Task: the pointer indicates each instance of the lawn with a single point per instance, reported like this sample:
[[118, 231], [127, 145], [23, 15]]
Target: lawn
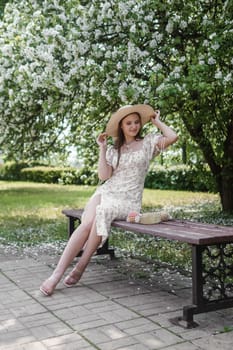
[[30, 214]]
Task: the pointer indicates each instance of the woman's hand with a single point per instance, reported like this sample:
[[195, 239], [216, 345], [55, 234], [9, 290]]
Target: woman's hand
[[156, 116], [102, 140]]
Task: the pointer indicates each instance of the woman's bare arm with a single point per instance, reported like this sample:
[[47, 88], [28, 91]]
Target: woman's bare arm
[[104, 169], [169, 135]]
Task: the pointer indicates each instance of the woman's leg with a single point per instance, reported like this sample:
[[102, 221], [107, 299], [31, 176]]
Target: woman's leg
[[90, 248], [73, 247]]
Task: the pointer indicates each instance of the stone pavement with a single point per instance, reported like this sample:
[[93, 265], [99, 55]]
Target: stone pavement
[[107, 310]]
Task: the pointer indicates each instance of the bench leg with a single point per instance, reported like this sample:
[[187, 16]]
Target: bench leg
[[104, 250], [71, 225], [212, 281]]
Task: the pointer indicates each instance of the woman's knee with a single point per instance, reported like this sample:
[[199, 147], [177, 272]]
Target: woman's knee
[[86, 225]]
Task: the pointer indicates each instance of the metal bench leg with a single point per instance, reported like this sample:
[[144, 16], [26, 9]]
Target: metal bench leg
[[212, 277], [104, 250], [186, 320], [71, 225]]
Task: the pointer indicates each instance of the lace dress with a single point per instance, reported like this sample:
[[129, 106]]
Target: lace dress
[[122, 192]]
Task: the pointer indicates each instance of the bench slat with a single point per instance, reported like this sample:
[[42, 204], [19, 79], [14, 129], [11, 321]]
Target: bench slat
[[183, 231], [175, 233]]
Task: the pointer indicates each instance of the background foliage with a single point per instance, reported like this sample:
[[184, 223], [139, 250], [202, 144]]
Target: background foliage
[[66, 65], [179, 177]]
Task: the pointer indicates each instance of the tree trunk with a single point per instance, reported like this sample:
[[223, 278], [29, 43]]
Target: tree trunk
[[184, 152], [226, 190], [226, 185]]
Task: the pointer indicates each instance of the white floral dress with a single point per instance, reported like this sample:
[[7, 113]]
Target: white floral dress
[[122, 192]]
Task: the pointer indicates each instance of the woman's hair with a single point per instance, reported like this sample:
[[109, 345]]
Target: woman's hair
[[120, 140]]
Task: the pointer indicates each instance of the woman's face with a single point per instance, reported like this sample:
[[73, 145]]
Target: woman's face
[[131, 125]]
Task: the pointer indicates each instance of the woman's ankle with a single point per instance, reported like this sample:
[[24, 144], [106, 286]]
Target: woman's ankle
[[56, 277]]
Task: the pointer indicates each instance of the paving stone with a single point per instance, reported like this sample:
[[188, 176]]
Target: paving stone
[[222, 341], [63, 340], [116, 290], [118, 344], [134, 347], [29, 346], [102, 306], [48, 331], [195, 333], [137, 326], [150, 304], [73, 346], [158, 338], [105, 311], [183, 346], [19, 337], [29, 307], [118, 315], [10, 325], [36, 320], [136, 322], [87, 323], [163, 319]]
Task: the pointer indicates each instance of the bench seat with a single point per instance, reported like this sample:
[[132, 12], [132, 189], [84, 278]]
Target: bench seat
[[212, 259]]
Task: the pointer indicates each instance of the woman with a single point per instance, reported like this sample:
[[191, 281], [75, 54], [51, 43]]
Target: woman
[[123, 167]]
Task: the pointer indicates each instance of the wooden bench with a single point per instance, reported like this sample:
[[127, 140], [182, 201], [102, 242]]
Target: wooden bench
[[212, 259]]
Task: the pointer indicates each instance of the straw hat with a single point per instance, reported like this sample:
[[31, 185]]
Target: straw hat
[[145, 111]]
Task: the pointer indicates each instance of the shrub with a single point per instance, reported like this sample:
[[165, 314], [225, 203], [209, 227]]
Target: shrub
[[84, 176], [45, 174], [62, 175], [12, 170], [180, 177]]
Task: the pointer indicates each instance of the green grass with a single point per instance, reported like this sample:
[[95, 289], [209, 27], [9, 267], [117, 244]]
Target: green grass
[[30, 214]]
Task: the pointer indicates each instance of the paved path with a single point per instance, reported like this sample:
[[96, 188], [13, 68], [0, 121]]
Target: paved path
[[108, 310]]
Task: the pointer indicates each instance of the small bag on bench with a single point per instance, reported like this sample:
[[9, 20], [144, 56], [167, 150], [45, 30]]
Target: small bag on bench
[[148, 218]]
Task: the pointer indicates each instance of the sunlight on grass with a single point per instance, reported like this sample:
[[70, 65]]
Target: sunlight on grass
[[30, 214], [40, 199], [167, 199]]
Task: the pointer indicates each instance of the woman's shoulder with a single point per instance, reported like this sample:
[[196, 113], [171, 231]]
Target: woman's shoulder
[[151, 137]]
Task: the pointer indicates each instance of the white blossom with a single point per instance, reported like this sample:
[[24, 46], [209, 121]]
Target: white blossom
[[97, 34], [228, 78], [215, 46], [133, 28], [218, 75], [211, 61], [50, 32], [6, 50], [205, 43], [183, 24], [160, 87], [158, 37], [153, 44], [157, 67], [169, 26], [212, 36]]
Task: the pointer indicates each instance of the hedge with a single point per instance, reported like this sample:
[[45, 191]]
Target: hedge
[[178, 177], [181, 177], [62, 175]]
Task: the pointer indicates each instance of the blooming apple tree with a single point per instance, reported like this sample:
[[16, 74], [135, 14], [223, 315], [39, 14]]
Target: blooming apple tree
[[65, 65]]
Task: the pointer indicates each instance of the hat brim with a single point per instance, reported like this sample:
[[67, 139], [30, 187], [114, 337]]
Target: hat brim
[[145, 111]]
